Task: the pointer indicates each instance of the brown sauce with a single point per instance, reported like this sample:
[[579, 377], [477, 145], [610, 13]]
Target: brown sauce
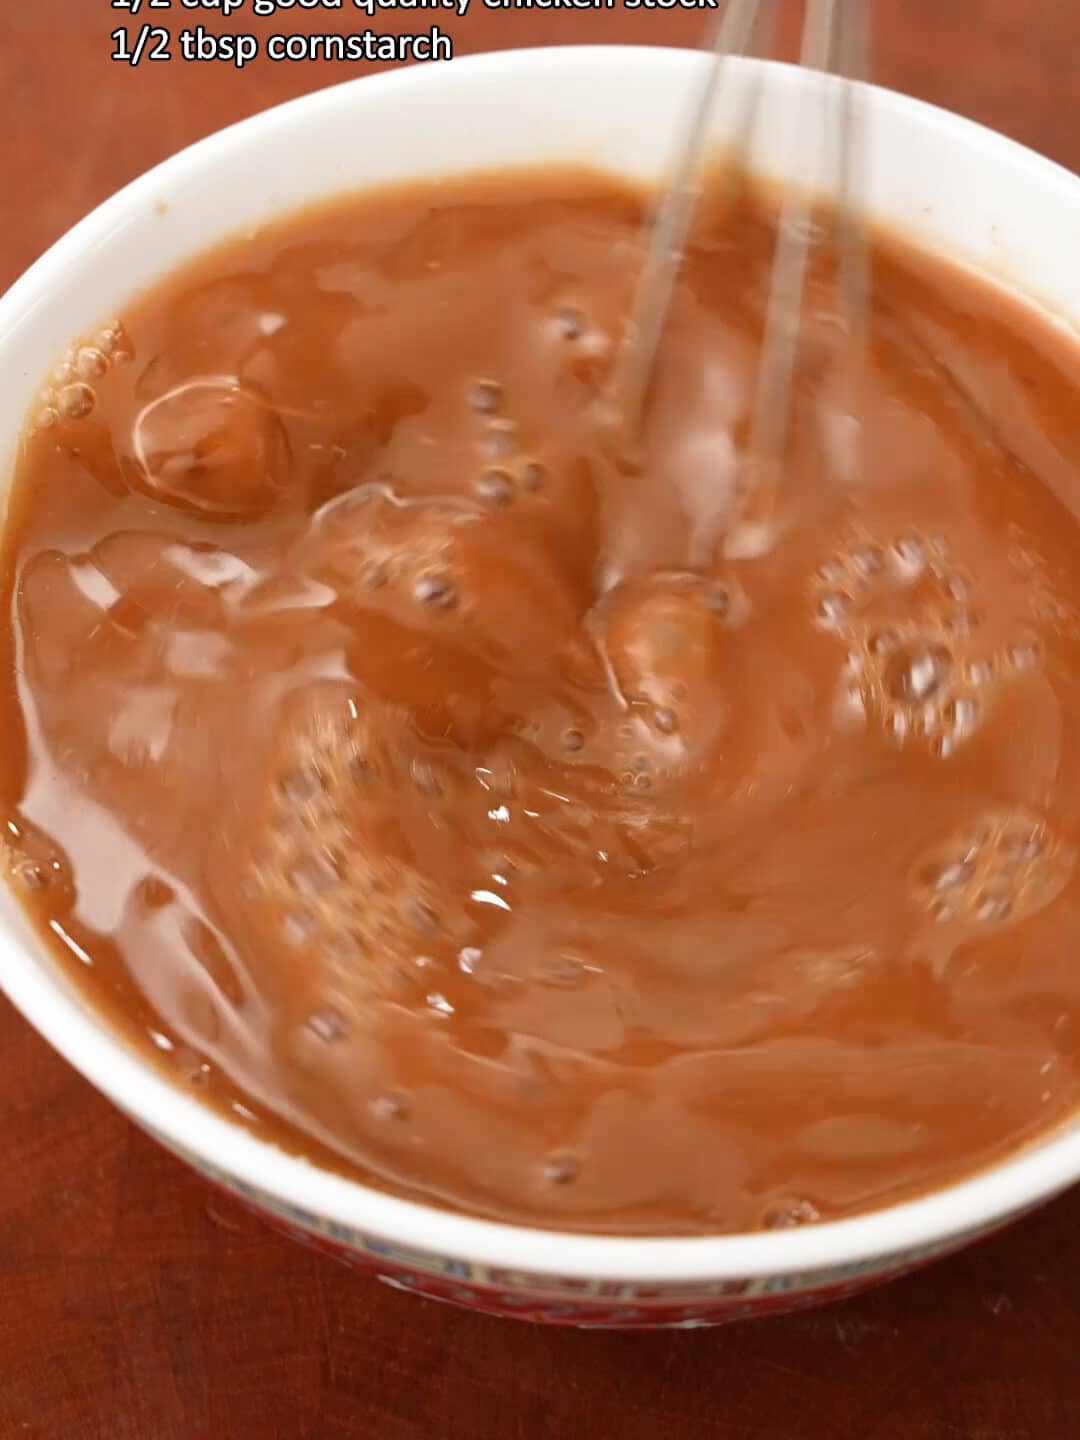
[[433, 793]]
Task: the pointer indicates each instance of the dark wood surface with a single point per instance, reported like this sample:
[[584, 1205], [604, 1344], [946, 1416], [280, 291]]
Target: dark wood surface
[[136, 1306]]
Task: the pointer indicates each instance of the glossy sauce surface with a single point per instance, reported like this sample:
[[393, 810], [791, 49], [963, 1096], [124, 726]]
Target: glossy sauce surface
[[417, 779]]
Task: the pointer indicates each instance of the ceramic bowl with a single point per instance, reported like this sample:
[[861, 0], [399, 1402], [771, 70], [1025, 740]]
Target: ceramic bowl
[[950, 185]]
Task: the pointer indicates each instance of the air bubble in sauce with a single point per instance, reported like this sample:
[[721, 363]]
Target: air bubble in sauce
[[212, 447]]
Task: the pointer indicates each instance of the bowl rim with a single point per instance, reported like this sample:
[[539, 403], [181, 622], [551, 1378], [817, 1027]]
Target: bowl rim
[[936, 1221]]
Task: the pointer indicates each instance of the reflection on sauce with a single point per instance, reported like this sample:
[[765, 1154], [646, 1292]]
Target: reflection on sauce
[[409, 777]]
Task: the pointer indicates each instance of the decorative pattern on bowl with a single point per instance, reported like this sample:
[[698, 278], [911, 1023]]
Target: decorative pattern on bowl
[[564, 1300]]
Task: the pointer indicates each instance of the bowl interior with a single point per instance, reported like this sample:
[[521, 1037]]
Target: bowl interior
[[949, 185]]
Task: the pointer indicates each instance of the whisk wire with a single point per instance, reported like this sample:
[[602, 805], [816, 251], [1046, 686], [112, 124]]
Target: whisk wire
[[835, 41], [742, 29], [789, 265], [852, 63]]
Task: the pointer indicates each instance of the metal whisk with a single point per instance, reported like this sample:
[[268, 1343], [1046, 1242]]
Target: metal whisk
[[835, 40]]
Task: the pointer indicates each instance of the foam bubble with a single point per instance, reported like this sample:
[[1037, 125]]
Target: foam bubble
[[392, 1106], [788, 1213], [496, 486], [915, 657], [570, 322], [336, 895], [469, 959], [91, 362], [34, 862], [485, 396], [979, 672], [951, 875], [899, 724], [436, 590], [909, 556], [868, 560], [30, 874], [562, 1168], [327, 1024], [299, 926], [958, 588], [917, 673], [211, 446], [717, 599], [121, 349], [833, 607], [1002, 869], [962, 716], [315, 875], [301, 785], [994, 906], [76, 401]]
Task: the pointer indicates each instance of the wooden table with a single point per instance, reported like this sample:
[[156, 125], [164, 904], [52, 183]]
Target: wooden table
[[133, 1305]]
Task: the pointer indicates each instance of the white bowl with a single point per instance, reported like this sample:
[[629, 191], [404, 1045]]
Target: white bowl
[[951, 185]]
